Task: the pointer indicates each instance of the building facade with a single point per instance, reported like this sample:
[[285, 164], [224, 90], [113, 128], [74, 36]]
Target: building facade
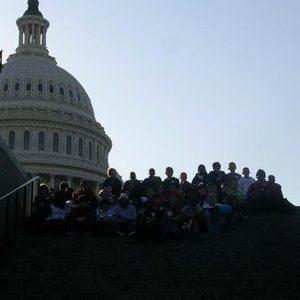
[[46, 116]]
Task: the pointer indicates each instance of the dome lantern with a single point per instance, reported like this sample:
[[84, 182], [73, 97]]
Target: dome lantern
[[32, 31], [33, 8]]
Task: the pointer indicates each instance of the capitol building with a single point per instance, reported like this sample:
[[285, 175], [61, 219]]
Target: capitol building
[[46, 117]]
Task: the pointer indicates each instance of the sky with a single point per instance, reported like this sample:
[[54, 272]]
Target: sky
[[183, 82]]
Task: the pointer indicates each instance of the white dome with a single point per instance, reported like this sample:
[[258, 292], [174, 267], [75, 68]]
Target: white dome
[[50, 84], [46, 116]]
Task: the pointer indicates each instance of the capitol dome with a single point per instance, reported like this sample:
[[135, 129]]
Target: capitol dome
[[46, 116]]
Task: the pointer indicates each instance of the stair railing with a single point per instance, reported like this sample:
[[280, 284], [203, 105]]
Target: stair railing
[[15, 207]]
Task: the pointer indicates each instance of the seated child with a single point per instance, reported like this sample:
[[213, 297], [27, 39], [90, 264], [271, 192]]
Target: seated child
[[80, 219], [104, 216], [124, 216]]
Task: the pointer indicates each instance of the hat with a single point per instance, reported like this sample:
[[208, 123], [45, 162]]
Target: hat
[[124, 196]]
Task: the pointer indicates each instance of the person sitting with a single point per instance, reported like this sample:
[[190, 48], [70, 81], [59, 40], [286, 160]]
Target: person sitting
[[214, 213], [79, 222], [58, 214], [104, 218], [124, 217], [152, 181], [282, 205], [170, 180], [232, 176], [114, 182], [200, 177], [40, 209], [245, 181], [85, 190], [134, 187], [260, 195], [216, 176]]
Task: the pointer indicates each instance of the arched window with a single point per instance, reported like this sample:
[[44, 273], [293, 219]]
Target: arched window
[[71, 93], [98, 154], [5, 88], [61, 90], [26, 140], [90, 151], [80, 147], [51, 89], [17, 86], [28, 86], [11, 140], [40, 87], [41, 144], [55, 145], [69, 144]]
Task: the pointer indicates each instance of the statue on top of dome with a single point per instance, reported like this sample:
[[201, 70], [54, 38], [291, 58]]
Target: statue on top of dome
[[33, 8]]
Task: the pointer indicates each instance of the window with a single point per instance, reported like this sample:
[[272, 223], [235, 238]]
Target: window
[[28, 87], [61, 90], [69, 144], [51, 89], [17, 86], [90, 151], [78, 97], [11, 140], [40, 87], [5, 88], [41, 144], [26, 140], [71, 94], [55, 142], [80, 147], [98, 154]]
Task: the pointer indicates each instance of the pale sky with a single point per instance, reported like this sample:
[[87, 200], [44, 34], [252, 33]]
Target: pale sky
[[183, 82]]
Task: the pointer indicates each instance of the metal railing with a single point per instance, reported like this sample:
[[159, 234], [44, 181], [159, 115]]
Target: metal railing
[[15, 207]]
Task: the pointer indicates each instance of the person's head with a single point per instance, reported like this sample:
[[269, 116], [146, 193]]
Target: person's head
[[63, 186], [105, 192], [216, 166], [104, 204], [81, 199], [124, 200], [111, 172], [201, 169], [149, 193], [232, 167], [183, 176], [246, 172], [51, 192], [201, 189], [260, 175], [169, 172], [226, 188], [84, 184], [69, 192], [43, 189], [151, 172], [132, 176], [271, 178]]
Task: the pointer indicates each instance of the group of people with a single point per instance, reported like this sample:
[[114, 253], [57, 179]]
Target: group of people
[[159, 209]]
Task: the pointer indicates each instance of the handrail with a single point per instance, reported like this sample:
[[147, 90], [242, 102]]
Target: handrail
[[15, 208], [20, 187]]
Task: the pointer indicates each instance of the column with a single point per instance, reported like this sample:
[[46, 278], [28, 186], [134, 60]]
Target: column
[[38, 35], [20, 36], [44, 36], [52, 181], [69, 180], [27, 40]]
